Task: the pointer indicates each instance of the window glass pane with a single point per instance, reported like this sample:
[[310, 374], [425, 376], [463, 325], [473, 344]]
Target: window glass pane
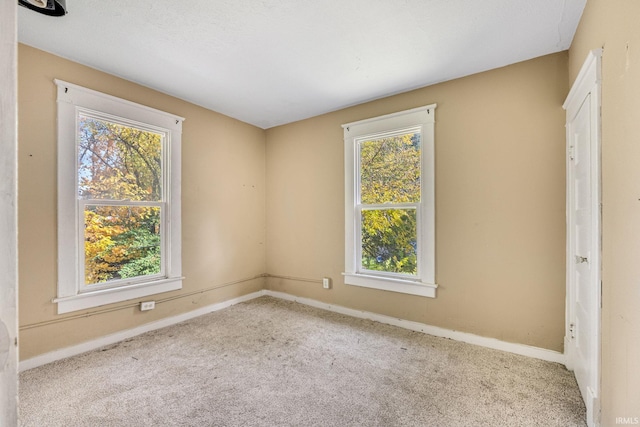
[[389, 240], [121, 242], [390, 169], [118, 162]]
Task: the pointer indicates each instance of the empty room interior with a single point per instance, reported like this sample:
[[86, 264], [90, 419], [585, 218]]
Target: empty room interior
[[406, 175]]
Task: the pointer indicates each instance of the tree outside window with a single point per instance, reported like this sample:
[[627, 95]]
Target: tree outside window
[[390, 202], [119, 174]]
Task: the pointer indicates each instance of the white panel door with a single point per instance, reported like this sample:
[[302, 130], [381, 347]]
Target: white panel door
[[582, 343], [582, 325]]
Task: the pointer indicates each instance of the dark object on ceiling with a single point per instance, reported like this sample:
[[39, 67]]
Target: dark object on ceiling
[[47, 7]]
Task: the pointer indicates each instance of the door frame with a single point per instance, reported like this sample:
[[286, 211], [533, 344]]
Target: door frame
[[8, 213], [588, 83]]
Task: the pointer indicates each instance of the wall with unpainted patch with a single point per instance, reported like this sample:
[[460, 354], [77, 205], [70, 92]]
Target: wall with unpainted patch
[[223, 208]]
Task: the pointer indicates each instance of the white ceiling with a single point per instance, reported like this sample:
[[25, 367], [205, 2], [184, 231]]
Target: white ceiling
[[271, 62]]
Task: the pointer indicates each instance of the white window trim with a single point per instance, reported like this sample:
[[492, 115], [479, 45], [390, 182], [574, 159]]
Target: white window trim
[[71, 296], [423, 285]]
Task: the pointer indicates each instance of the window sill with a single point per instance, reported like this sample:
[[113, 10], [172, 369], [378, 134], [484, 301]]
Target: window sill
[[109, 296], [391, 284]]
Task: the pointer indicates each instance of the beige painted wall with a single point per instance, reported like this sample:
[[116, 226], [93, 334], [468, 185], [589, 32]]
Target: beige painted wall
[[223, 205], [614, 25], [499, 196], [500, 205]]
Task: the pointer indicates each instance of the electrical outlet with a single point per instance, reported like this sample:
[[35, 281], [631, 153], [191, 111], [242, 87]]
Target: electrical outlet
[[326, 283], [147, 305]]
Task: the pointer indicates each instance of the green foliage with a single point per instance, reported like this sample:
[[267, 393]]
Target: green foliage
[[117, 162], [143, 248], [390, 174]]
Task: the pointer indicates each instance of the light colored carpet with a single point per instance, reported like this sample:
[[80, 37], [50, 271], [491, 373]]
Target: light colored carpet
[[269, 362]]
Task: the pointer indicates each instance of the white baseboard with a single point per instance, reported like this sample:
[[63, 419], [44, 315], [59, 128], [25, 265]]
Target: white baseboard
[[521, 349], [63, 353]]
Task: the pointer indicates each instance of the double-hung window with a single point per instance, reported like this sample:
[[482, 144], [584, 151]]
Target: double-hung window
[[118, 199], [389, 202]]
